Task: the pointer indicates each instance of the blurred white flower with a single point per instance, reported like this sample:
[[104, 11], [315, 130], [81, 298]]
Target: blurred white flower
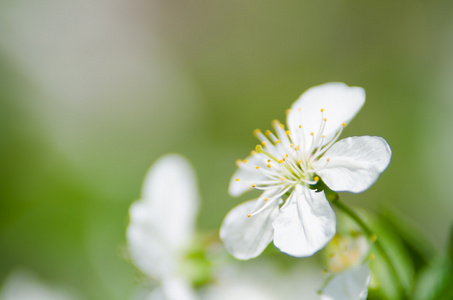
[[351, 284], [162, 225], [23, 285], [344, 252], [264, 280], [289, 162]]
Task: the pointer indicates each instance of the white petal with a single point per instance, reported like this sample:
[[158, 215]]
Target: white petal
[[162, 223], [351, 284], [247, 175], [176, 288], [340, 103], [246, 237], [306, 224], [354, 163]]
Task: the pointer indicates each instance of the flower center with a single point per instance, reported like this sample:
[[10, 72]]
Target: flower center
[[283, 163]]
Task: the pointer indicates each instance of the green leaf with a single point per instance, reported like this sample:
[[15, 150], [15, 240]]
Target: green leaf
[[434, 281], [421, 251]]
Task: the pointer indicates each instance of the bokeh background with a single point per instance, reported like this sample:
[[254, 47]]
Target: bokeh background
[[92, 92]]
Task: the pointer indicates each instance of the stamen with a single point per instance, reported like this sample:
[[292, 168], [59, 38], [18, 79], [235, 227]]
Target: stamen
[[237, 179], [257, 167], [238, 162], [344, 124], [316, 178], [269, 165], [253, 185], [258, 148], [326, 147], [256, 132], [322, 109], [246, 161], [268, 132], [249, 215], [272, 199]]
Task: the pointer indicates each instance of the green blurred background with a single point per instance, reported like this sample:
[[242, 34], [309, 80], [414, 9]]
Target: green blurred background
[[92, 92]]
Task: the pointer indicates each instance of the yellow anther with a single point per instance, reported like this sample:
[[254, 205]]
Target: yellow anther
[[323, 136], [238, 161], [253, 152], [291, 145], [316, 178], [268, 160], [283, 179], [256, 132], [265, 199], [372, 257], [249, 215], [277, 141], [322, 109], [258, 148], [312, 133], [299, 161], [269, 165], [246, 161], [257, 167], [253, 185], [296, 148], [299, 109], [268, 132], [325, 119], [237, 179], [284, 159], [344, 124], [280, 161], [282, 126], [263, 143], [300, 126], [286, 155], [373, 237], [287, 132]]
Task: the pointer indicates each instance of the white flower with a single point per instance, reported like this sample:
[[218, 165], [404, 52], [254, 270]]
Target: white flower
[[351, 284], [290, 162], [162, 225], [265, 280]]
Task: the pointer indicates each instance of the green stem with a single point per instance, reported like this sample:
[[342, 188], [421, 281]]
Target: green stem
[[367, 230]]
